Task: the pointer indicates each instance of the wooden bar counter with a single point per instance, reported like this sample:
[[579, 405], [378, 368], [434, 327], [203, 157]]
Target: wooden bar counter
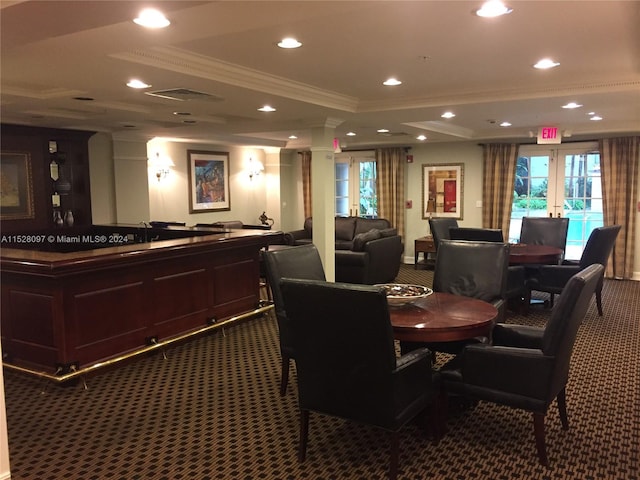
[[62, 312]]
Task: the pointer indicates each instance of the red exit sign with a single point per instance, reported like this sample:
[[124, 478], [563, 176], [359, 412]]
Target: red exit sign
[[549, 135]]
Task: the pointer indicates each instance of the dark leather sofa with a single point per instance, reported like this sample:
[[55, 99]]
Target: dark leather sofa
[[368, 251]]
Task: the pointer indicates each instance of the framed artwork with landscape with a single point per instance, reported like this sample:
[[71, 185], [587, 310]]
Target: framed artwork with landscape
[[442, 190], [16, 186], [208, 181]]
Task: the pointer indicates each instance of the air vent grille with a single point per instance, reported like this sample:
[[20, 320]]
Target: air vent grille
[[184, 94]]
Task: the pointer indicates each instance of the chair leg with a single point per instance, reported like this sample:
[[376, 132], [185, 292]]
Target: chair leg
[[562, 409], [394, 454], [304, 435], [599, 300], [538, 430], [284, 376]]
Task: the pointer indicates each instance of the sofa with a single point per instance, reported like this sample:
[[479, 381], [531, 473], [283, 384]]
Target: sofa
[[368, 251]]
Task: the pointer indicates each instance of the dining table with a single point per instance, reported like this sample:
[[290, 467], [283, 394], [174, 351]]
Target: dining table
[[528, 254], [442, 317]]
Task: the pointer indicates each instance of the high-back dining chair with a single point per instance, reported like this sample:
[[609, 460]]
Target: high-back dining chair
[[527, 367], [476, 234], [553, 278], [294, 262], [346, 361], [550, 231]]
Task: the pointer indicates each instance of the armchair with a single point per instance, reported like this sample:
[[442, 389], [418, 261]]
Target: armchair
[[553, 278], [440, 229], [471, 269], [527, 367], [294, 262], [346, 361]]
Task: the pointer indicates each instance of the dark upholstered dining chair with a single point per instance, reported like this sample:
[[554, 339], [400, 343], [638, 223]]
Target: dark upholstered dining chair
[[545, 231], [440, 229], [553, 278], [346, 361], [471, 269], [527, 367], [476, 234], [294, 262]]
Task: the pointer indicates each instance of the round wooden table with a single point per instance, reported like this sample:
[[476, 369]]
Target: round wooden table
[[442, 317], [522, 254]]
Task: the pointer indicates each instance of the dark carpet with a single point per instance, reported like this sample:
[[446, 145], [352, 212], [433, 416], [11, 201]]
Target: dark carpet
[[211, 409]]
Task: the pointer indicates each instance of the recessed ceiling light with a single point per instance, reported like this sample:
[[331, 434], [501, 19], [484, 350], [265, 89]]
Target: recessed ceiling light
[[505, 124], [152, 18], [422, 138], [545, 64], [135, 83], [448, 115], [292, 137], [571, 105], [267, 108], [351, 134], [493, 8], [392, 82], [596, 118], [383, 130], [289, 43]]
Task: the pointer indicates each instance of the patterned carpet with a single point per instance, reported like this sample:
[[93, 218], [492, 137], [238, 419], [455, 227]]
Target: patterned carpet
[[211, 410]]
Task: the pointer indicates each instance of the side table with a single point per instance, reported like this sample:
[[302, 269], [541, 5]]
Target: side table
[[427, 247]]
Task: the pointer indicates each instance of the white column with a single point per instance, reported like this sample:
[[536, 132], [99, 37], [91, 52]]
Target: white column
[[131, 181]]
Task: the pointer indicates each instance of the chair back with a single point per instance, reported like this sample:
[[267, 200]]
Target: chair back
[[562, 327], [440, 229], [295, 262], [472, 269], [599, 246], [545, 231], [476, 234], [345, 354]]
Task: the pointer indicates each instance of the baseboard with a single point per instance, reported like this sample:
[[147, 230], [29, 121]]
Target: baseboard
[[636, 276], [5, 475]]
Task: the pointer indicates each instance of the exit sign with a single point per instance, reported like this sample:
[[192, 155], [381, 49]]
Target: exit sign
[[548, 135]]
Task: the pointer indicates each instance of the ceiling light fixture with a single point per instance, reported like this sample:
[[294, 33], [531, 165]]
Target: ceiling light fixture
[[351, 134], [448, 115], [493, 8], [289, 43], [571, 105], [135, 83], [292, 137], [152, 18], [392, 82], [505, 124], [596, 118], [267, 108], [383, 130], [422, 138], [545, 64]]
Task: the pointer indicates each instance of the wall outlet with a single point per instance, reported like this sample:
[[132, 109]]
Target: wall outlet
[[478, 203]]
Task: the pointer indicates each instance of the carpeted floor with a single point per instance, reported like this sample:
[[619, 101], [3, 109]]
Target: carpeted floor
[[211, 410]]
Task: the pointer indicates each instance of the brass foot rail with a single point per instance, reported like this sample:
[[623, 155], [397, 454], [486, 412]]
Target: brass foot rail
[[149, 348]]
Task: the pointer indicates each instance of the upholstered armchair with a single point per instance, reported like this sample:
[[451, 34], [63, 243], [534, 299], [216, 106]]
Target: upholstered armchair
[[471, 269], [346, 361], [294, 262], [440, 229], [527, 367], [545, 231], [553, 278]]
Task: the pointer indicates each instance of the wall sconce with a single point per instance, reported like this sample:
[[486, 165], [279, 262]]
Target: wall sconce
[[161, 165], [255, 168]]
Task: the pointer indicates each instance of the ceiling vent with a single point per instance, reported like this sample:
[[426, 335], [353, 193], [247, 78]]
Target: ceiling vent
[[393, 134], [184, 94]]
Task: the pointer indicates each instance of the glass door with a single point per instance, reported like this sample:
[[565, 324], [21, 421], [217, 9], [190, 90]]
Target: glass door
[[356, 193], [559, 182]]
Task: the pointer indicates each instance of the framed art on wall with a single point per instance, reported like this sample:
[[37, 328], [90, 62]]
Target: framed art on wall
[[16, 186], [208, 181], [442, 187]]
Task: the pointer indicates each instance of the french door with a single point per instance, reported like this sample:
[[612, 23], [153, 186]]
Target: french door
[[356, 193], [563, 181]]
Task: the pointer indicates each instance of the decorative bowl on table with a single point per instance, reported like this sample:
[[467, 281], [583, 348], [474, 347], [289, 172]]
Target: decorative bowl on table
[[401, 293]]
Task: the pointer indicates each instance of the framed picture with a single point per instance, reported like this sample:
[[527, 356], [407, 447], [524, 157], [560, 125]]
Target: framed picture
[[442, 190], [208, 181], [16, 186]]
